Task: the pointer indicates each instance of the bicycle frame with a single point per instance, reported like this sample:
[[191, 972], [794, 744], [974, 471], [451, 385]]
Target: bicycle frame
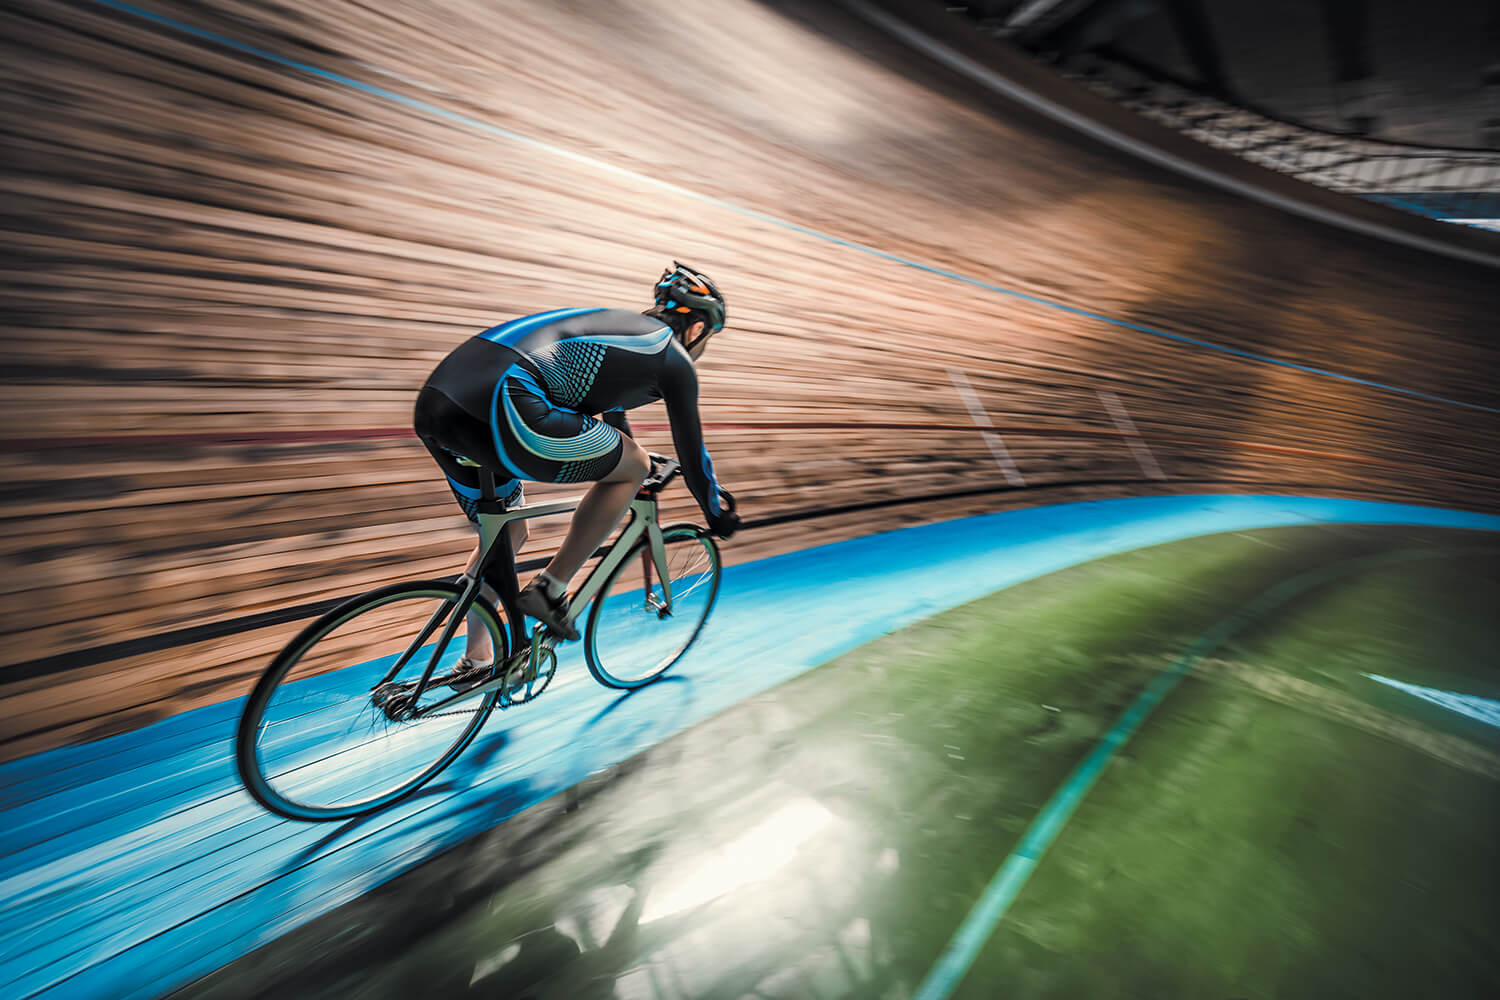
[[495, 543]]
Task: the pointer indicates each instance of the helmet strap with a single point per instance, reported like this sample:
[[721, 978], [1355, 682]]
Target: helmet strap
[[702, 338]]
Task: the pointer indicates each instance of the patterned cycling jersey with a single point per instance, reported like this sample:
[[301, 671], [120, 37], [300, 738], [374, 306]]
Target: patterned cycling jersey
[[590, 361]]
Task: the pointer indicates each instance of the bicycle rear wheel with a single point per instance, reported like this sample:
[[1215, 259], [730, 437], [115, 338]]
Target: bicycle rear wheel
[[633, 637], [323, 735]]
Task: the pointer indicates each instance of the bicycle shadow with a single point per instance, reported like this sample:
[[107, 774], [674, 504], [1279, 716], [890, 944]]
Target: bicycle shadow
[[481, 753], [637, 719], [626, 732], [484, 750], [625, 696]]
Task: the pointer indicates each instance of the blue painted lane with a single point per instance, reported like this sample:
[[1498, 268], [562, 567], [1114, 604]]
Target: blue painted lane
[[137, 863]]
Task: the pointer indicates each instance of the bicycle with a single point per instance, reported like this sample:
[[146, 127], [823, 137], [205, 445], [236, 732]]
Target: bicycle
[[347, 716]]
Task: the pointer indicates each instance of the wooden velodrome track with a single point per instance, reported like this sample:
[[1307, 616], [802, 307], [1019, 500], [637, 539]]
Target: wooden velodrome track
[[229, 275]]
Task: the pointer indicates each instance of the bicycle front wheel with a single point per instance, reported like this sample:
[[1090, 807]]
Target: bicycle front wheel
[[635, 634], [328, 731]]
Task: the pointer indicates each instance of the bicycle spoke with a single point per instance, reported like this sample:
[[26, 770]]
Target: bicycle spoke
[[634, 633], [331, 734]]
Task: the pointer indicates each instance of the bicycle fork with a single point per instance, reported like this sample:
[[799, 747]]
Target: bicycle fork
[[657, 557]]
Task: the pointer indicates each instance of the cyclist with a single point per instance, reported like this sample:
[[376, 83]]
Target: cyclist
[[542, 398]]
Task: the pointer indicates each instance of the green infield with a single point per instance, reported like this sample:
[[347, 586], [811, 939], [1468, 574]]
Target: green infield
[[1304, 806], [1284, 825]]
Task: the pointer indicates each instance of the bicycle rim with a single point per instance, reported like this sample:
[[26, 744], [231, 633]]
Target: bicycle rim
[[632, 637], [317, 740]]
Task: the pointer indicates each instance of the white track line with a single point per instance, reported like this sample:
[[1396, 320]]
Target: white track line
[[997, 446], [1127, 430]]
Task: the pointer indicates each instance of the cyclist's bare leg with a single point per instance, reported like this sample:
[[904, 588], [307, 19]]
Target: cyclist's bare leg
[[478, 646], [601, 509]]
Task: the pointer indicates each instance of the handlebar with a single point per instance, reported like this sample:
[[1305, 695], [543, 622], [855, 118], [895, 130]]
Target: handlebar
[[663, 471]]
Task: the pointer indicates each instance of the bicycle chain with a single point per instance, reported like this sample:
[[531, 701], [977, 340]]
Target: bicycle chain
[[547, 645], [442, 715], [459, 711], [471, 711]]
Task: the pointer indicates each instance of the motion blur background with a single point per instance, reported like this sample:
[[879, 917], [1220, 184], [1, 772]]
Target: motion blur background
[[240, 234], [230, 274]]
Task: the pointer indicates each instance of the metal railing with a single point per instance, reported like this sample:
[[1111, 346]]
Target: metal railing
[[1452, 184]]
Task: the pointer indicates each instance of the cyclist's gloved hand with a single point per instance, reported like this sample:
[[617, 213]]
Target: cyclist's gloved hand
[[724, 524]]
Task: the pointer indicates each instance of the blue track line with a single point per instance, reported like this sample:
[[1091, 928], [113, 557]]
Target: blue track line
[[453, 116]]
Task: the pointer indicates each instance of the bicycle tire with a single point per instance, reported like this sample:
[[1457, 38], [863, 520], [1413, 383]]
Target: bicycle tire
[[302, 736], [631, 624]]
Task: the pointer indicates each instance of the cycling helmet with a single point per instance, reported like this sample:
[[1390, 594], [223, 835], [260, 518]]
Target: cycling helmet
[[684, 290]]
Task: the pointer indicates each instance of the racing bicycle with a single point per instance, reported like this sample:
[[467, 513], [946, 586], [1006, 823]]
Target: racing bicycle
[[370, 701]]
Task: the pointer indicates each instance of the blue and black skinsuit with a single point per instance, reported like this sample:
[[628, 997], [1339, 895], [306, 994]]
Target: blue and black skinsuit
[[524, 399]]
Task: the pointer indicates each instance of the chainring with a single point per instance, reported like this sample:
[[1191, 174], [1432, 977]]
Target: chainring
[[522, 685]]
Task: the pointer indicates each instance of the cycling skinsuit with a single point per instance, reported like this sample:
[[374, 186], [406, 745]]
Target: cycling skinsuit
[[523, 400]]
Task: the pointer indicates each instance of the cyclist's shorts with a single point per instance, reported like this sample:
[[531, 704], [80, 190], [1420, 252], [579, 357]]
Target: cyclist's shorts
[[509, 427], [546, 443], [455, 439]]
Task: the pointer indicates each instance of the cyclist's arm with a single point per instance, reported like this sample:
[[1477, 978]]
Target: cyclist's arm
[[616, 419], [679, 390]]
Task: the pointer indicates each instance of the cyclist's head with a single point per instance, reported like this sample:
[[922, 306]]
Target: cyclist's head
[[690, 303]]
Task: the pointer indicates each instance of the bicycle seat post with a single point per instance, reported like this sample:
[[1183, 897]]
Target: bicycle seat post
[[488, 529], [495, 543]]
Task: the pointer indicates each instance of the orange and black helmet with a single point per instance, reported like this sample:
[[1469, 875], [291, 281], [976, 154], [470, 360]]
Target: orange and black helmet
[[684, 290]]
